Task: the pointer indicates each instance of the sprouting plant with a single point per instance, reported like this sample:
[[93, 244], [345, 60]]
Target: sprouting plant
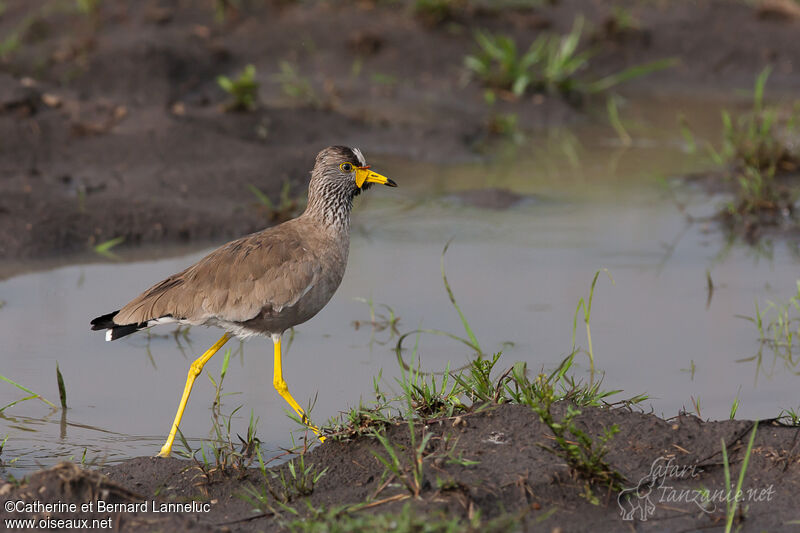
[[502, 124], [687, 134], [2, 447], [476, 381], [572, 443], [287, 206], [386, 80], [301, 478], [613, 117], [429, 397], [756, 147], [735, 405], [88, 7], [622, 19], [732, 502], [778, 325], [550, 64], [288, 483], [696, 404], [243, 90], [13, 39], [586, 307], [411, 477], [296, 86], [435, 12], [224, 9], [9, 45], [758, 139], [362, 420], [358, 421], [449, 452], [790, 417], [500, 65], [105, 247]]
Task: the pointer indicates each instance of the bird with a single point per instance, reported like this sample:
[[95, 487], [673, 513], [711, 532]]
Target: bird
[[263, 283]]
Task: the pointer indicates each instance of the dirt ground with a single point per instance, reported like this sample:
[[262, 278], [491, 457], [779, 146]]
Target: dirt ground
[[110, 122], [512, 484]]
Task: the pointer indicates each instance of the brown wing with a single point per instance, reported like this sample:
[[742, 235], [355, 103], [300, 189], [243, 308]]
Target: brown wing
[[233, 283]]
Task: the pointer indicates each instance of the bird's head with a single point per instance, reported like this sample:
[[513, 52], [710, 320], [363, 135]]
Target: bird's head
[[340, 174], [348, 170]]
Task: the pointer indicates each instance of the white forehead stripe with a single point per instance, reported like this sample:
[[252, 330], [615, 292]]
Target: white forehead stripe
[[361, 161]]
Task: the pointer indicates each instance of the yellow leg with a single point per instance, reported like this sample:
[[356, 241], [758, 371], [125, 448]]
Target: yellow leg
[[194, 371], [283, 389]]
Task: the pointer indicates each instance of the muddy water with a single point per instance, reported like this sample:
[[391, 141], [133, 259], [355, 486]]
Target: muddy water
[[580, 200]]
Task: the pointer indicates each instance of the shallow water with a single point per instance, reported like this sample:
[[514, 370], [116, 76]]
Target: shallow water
[[587, 202]]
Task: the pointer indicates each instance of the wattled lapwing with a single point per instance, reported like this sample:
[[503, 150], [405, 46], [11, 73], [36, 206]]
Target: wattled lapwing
[[264, 283]]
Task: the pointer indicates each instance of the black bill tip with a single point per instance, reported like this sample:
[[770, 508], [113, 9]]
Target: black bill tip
[[390, 183]]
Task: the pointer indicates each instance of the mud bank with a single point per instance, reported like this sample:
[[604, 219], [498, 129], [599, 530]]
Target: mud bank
[[488, 468]]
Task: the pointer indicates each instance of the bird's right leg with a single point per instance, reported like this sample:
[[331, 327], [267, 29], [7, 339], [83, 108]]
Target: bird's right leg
[[283, 389], [194, 371]]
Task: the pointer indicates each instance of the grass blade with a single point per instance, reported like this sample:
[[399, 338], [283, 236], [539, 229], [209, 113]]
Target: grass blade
[[452, 297], [262, 197], [62, 390], [616, 122], [15, 402], [731, 511], [26, 389], [635, 71], [758, 96], [225, 363], [104, 248]]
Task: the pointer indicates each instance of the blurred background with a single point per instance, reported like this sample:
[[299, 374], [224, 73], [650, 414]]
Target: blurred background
[[545, 140]]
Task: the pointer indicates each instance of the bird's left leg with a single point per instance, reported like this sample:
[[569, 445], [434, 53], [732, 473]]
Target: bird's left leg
[[194, 371], [283, 389]]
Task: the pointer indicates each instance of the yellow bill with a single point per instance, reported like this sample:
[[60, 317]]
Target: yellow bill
[[365, 175]]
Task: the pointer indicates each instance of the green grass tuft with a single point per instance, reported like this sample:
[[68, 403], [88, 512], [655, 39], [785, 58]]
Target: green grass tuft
[[296, 86], [243, 90], [757, 146], [550, 65]]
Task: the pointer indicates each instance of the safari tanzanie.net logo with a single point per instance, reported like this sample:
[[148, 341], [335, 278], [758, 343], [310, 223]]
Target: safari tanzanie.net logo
[[659, 487]]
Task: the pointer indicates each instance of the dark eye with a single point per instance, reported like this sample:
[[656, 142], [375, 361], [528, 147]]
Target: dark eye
[[347, 167]]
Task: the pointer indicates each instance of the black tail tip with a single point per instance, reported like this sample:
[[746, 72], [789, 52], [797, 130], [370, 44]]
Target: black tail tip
[[104, 322], [113, 330], [116, 332]]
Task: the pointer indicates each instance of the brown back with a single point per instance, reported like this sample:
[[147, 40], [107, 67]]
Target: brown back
[[273, 268]]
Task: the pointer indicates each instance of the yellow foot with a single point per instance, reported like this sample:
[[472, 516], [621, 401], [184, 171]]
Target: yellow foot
[[283, 389], [165, 451], [317, 432]]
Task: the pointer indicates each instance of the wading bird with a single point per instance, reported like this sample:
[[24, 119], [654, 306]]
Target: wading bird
[[264, 283]]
